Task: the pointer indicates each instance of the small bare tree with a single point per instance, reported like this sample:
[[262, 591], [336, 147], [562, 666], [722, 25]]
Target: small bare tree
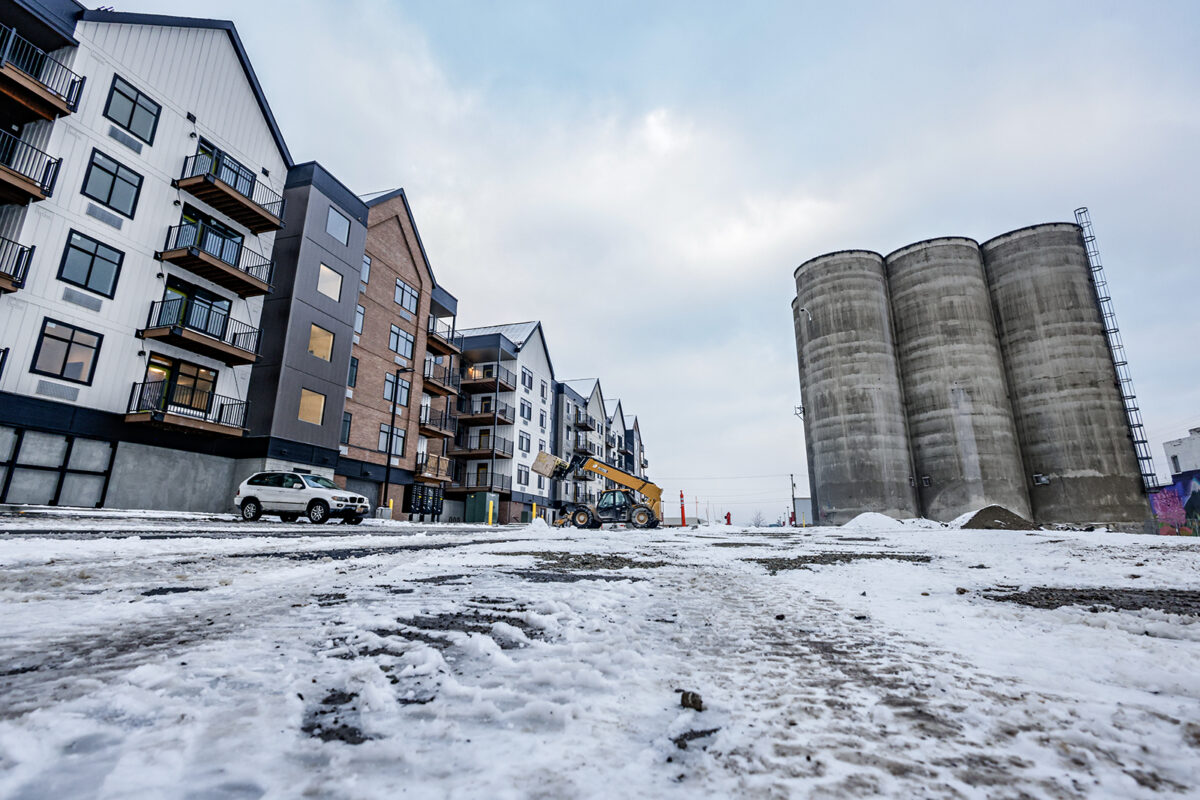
[[758, 520]]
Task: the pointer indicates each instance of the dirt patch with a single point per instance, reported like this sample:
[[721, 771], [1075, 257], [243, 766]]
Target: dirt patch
[[172, 590], [346, 553], [804, 562], [998, 518], [332, 719], [547, 576], [681, 741], [582, 561], [740, 544], [1171, 601]]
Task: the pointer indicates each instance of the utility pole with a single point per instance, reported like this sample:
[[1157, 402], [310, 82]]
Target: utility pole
[[387, 475], [792, 513]]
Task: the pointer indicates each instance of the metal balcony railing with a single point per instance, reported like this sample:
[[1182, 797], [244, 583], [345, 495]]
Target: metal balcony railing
[[439, 420], [444, 374], [14, 261], [475, 406], [206, 320], [159, 397], [490, 372], [433, 465], [584, 446], [445, 332], [229, 250], [236, 176], [39, 65], [584, 420], [488, 481], [482, 441], [28, 161]]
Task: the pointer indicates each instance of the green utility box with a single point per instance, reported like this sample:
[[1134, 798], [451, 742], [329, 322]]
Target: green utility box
[[477, 507]]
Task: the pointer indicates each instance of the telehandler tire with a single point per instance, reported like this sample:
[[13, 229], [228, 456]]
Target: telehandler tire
[[641, 517], [581, 518]]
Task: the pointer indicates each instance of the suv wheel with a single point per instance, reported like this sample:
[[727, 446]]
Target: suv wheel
[[251, 510], [318, 512]]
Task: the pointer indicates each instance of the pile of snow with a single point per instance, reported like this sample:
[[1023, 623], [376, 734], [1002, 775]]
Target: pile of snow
[[871, 521]]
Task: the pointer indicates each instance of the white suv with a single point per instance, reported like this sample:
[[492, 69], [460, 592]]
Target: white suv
[[291, 494]]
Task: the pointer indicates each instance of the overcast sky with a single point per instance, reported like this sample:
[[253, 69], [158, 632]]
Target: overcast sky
[[644, 177]]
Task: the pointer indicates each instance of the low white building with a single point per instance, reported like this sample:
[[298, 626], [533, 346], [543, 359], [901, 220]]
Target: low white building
[[1183, 455]]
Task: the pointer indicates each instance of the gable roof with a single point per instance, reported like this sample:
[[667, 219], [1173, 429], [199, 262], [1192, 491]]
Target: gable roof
[[440, 295], [167, 21], [519, 333]]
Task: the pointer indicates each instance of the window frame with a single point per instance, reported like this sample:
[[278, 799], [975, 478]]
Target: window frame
[[321, 265], [404, 292], [87, 175], [526, 405], [398, 434], [526, 372], [397, 333], [352, 373], [37, 352], [300, 406], [312, 327], [62, 264], [330, 215], [344, 434], [524, 442], [390, 379], [364, 272], [139, 95], [360, 317], [522, 471]]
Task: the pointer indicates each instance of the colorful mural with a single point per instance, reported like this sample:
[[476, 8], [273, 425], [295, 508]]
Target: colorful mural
[[1176, 506]]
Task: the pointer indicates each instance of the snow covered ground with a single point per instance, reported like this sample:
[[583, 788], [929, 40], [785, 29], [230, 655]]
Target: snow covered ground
[[203, 658]]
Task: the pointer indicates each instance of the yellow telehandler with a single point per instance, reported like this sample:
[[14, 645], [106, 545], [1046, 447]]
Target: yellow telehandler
[[614, 505]]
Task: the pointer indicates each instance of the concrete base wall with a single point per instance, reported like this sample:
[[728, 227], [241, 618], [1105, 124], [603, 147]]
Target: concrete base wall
[[160, 478]]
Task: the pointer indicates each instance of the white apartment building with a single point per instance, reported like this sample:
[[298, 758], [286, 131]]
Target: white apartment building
[[505, 418], [141, 197]]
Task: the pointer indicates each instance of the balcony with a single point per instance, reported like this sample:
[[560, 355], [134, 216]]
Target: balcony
[[587, 448], [625, 448], [437, 423], [432, 467], [489, 378], [580, 495], [26, 173], [34, 84], [584, 421], [440, 379], [202, 329], [225, 261], [14, 265], [474, 481], [442, 339], [182, 407], [610, 440], [481, 445], [481, 410], [645, 463], [584, 475], [226, 185]]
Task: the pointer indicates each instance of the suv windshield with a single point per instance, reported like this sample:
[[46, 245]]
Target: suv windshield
[[317, 482]]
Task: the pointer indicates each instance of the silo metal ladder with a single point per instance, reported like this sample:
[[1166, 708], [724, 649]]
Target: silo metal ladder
[[1116, 348]]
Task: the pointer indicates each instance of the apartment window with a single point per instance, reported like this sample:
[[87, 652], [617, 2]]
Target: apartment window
[[90, 264], [320, 342], [401, 342], [329, 283], [312, 407], [542, 419], [541, 482], [526, 378], [545, 392], [64, 351], [397, 440], [337, 225], [360, 314], [523, 476], [541, 445], [526, 410], [112, 184], [1175, 470], [132, 110], [389, 390], [352, 376], [346, 418], [524, 442], [406, 296]]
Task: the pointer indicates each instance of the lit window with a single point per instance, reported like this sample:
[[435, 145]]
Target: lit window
[[337, 225], [312, 407], [320, 342], [329, 283]]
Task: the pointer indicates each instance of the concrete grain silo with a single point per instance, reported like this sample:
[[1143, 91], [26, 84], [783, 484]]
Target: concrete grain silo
[[1079, 460], [854, 421], [960, 422]]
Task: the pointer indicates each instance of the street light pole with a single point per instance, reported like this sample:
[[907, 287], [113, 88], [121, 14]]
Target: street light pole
[[387, 475]]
